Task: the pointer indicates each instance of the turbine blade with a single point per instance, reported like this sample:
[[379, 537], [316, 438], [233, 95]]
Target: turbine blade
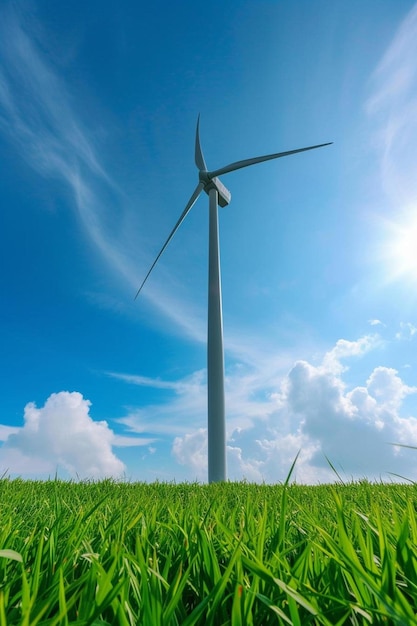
[[183, 215], [246, 162], [199, 157]]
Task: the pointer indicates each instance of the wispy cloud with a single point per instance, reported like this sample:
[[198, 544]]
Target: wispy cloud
[[250, 387], [185, 408], [145, 381], [407, 331], [376, 322], [39, 116], [392, 106]]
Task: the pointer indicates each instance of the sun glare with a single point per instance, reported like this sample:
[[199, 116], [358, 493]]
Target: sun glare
[[401, 249]]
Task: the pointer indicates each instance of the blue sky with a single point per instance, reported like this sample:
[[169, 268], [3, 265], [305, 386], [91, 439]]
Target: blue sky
[[98, 107]]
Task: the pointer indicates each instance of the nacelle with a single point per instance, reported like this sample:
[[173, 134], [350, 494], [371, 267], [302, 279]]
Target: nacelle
[[224, 194]]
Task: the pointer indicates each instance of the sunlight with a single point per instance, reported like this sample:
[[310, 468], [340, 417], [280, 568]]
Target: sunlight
[[401, 249]]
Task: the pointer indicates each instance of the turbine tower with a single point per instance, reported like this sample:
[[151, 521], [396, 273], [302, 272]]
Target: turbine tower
[[218, 196]]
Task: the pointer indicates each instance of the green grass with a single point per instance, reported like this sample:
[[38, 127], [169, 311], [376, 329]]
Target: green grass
[[235, 553]]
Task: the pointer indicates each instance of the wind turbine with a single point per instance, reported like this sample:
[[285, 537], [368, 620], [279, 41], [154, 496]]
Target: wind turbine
[[218, 196]]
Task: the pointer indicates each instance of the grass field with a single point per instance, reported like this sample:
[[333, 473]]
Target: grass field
[[235, 553]]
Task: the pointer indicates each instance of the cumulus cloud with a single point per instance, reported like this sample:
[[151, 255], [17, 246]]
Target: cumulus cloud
[[61, 435], [345, 349], [191, 450], [352, 428], [315, 412]]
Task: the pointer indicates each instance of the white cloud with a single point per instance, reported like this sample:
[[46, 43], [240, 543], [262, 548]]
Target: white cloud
[[312, 410], [351, 428], [145, 381], [120, 441], [376, 322], [345, 349], [191, 450], [407, 331], [61, 435], [175, 415], [387, 388], [6, 431]]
